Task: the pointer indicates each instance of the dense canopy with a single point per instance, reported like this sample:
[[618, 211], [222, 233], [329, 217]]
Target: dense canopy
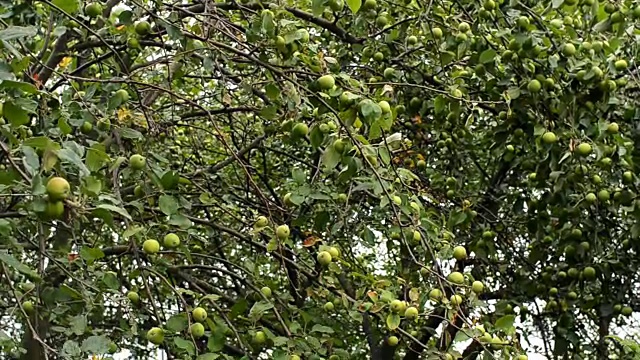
[[324, 179]]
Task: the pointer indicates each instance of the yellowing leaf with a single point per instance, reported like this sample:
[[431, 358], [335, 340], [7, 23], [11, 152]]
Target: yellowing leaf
[[123, 114], [65, 62]]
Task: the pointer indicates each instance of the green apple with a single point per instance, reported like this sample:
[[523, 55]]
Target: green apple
[[283, 232], [435, 294], [171, 241], [155, 336], [324, 258], [196, 330], [133, 297], [397, 306], [300, 130], [456, 278], [549, 138], [328, 306], [137, 162], [260, 337], [534, 86], [411, 312], [58, 189], [151, 246], [54, 210], [392, 340], [584, 149], [86, 127], [123, 95], [334, 251], [459, 253], [93, 9], [261, 222], [266, 291], [477, 287], [142, 28], [199, 314], [28, 307], [385, 107], [456, 300], [326, 82]]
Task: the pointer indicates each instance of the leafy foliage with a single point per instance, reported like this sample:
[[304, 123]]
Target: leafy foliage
[[221, 180]]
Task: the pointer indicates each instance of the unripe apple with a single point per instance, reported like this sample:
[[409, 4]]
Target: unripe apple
[[324, 258], [326, 82], [435, 294], [477, 287], [283, 232], [260, 337], [137, 162], [196, 330], [456, 278], [266, 291], [58, 189], [459, 253], [397, 306], [151, 246], [411, 312], [133, 297], [199, 314], [335, 253], [261, 222], [393, 340], [171, 241], [328, 306], [155, 336], [456, 300], [28, 307], [123, 95]]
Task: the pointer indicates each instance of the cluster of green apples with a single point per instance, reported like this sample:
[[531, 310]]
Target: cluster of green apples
[[58, 190], [152, 246]]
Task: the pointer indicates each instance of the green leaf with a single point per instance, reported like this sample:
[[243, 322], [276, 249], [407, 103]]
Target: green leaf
[[30, 160], [505, 323], [96, 345], [71, 349], [72, 157], [90, 254], [11, 261], [132, 230], [16, 115], [370, 111], [68, 6], [268, 25], [128, 133], [168, 204], [487, 56], [40, 142], [23, 86], [208, 356], [177, 323], [96, 157], [78, 324], [115, 209], [92, 186], [322, 329], [111, 280], [330, 158], [17, 32], [185, 345], [170, 180], [181, 221], [258, 309], [393, 321], [354, 5]]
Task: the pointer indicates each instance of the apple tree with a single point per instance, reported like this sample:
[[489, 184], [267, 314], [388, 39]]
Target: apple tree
[[324, 179]]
